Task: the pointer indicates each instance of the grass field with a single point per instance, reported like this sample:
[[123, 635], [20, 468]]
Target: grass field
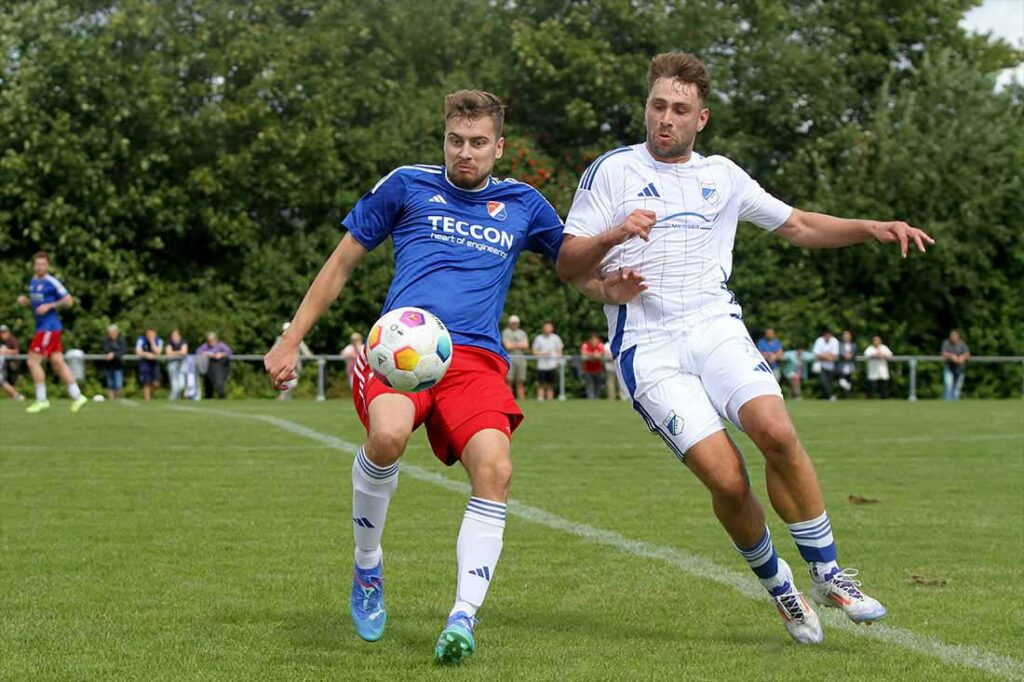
[[145, 541]]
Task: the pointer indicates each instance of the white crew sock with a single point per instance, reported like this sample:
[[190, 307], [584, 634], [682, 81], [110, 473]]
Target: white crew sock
[[74, 391], [477, 551], [40, 392], [372, 488]]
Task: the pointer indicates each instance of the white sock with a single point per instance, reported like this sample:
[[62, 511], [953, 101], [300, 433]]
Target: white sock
[[477, 551], [40, 392], [74, 391], [372, 488]]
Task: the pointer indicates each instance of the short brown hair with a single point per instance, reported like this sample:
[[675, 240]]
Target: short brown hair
[[473, 104], [41, 254], [680, 66]]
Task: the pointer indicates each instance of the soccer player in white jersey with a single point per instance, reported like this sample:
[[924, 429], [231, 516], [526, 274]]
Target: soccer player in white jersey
[[457, 233], [681, 347]]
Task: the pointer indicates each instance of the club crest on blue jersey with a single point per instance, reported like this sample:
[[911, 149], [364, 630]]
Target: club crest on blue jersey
[[496, 209], [709, 191]]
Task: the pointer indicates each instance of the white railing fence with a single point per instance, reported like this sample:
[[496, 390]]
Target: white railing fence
[[912, 363]]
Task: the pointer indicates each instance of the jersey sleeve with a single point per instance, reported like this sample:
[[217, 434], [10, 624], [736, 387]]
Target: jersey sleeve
[[756, 205], [545, 234], [57, 288], [591, 212], [373, 217]]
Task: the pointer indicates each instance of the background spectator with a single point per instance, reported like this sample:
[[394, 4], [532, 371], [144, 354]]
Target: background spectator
[[214, 364], [592, 353], [148, 347], [612, 381], [177, 350], [878, 356], [956, 354], [846, 365], [349, 354], [9, 368], [794, 368], [826, 351], [549, 347], [114, 349], [516, 344], [771, 349], [304, 352]]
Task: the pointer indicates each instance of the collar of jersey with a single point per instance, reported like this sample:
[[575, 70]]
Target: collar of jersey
[[455, 187]]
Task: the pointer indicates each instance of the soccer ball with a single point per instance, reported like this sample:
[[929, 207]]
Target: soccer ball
[[409, 349]]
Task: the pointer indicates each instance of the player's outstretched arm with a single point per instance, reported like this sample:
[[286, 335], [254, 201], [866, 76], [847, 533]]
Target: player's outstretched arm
[[580, 256], [822, 231], [280, 361]]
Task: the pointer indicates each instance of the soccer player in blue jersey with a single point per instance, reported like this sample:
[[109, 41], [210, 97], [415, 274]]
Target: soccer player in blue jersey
[[681, 346], [46, 296], [457, 232]]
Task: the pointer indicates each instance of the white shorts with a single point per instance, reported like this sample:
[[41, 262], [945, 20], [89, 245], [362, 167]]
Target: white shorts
[[684, 386]]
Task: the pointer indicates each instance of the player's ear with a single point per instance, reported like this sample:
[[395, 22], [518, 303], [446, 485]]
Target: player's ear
[[702, 118], [499, 148]]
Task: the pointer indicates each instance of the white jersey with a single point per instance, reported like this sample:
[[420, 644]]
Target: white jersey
[[688, 259]]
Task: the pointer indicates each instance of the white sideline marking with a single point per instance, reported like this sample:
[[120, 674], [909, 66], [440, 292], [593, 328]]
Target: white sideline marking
[[955, 654]]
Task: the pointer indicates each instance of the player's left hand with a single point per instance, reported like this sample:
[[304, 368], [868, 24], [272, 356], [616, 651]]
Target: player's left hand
[[899, 231], [44, 308], [623, 286]]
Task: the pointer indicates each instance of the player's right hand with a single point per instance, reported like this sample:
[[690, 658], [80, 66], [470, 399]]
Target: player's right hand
[[280, 364], [22, 300], [639, 223]]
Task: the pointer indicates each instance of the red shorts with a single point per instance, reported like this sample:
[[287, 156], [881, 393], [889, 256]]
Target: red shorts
[[473, 396], [46, 344]]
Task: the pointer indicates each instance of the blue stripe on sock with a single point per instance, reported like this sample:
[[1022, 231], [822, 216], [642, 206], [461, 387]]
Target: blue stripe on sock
[[372, 470], [497, 505]]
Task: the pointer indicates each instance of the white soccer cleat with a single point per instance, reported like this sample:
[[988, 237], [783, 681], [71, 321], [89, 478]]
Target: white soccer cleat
[[840, 590], [799, 618]]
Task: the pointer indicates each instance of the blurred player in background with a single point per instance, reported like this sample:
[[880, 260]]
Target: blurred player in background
[[46, 296], [682, 348], [457, 233]]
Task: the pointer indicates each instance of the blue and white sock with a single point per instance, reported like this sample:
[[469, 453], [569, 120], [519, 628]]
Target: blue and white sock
[[372, 488], [477, 552], [814, 540], [764, 562]]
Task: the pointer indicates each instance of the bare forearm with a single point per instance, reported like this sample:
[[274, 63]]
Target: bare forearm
[[821, 231], [592, 287], [326, 288], [580, 256]]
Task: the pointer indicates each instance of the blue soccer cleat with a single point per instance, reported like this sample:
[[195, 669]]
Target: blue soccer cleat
[[456, 642], [367, 606]]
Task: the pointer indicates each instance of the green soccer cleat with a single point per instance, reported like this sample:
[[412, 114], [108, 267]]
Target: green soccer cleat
[[77, 404], [456, 642], [38, 406]]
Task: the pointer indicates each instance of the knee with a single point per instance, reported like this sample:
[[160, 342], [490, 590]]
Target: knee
[[385, 446], [732, 492], [493, 478], [775, 438]]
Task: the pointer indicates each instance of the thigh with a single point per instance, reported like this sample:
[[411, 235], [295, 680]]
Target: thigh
[[473, 396], [717, 462], [732, 370], [679, 411]]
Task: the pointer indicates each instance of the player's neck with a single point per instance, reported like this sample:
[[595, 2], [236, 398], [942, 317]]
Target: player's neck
[[660, 159]]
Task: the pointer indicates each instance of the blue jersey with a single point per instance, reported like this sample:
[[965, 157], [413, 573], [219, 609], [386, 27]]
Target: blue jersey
[[455, 249], [46, 289], [769, 346]]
